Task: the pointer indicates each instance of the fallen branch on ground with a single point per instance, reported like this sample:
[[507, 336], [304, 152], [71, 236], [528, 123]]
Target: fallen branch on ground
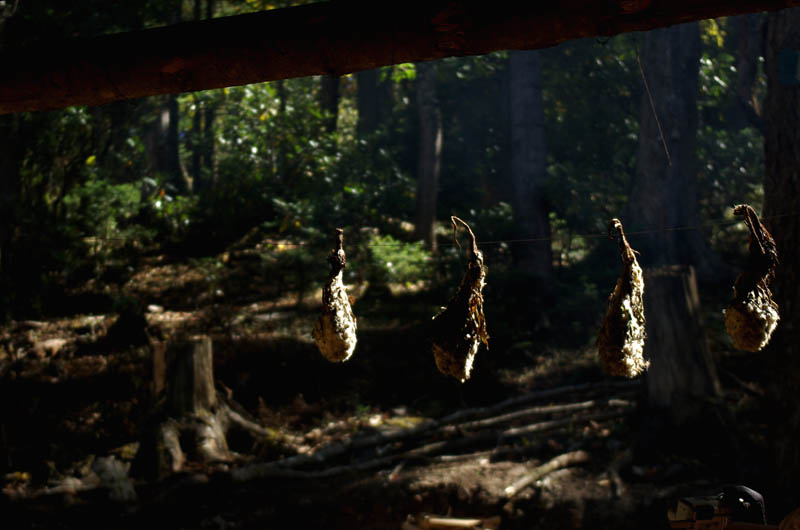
[[564, 460], [427, 428], [480, 438], [545, 426], [535, 411], [426, 521]]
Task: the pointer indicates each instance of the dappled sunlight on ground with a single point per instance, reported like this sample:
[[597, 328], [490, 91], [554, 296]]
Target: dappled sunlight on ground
[[80, 391]]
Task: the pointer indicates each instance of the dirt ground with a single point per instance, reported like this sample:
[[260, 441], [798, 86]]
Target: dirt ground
[[78, 388]]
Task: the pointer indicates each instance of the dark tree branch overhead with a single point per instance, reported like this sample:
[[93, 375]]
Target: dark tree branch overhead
[[324, 38]]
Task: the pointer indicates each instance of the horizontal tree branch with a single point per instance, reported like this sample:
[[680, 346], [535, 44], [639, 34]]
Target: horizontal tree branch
[[323, 38]]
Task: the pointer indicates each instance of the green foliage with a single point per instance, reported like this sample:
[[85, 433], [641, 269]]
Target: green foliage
[[102, 214], [729, 144], [399, 262], [93, 188], [475, 160], [591, 123]]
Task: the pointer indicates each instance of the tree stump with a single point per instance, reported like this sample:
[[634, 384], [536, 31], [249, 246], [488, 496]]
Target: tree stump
[[681, 373], [191, 419]]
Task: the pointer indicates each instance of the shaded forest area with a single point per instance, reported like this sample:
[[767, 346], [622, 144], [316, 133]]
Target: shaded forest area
[[137, 231]]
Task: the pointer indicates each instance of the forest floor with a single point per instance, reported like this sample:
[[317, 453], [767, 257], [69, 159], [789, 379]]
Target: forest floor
[[393, 437]]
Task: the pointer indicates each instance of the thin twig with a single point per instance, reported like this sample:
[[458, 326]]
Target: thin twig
[[546, 409]]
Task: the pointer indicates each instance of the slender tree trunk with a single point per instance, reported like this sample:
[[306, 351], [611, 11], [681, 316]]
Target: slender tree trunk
[[373, 101], [173, 160], [329, 101], [746, 108], [198, 134], [781, 205], [681, 374], [430, 153], [209, 117], [197, 141], [281, 166], [367, 102], [169, 142], [528, 163]]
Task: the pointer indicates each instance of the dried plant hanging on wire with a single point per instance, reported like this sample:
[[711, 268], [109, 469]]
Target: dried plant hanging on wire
[[620, 343], [752, 315], [458, 330], [335, 330]]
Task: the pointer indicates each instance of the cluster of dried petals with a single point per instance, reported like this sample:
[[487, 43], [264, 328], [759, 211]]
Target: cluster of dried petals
[[620, 342], [335, 329], [752, 315], [461, 327]]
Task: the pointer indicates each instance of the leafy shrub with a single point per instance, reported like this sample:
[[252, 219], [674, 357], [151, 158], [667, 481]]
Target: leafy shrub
[[395, 261]]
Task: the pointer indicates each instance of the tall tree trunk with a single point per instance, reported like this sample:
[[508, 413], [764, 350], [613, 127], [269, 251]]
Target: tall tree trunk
[[528, 163], [781, 205], [209, 145], [201, 135], [329, 101], [663, 197], [367, 102], [197, 138], [209, 116], [281, 166], [173, 160], [430, 153], [373, 101], [663, 194], [745, 109], [167, 142]]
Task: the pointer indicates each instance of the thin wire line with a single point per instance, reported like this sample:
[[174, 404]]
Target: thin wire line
[[590, 235], [653, 106]]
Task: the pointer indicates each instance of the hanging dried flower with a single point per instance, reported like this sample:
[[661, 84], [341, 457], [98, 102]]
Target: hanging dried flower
[[752, 315], [458, 330], [335, 330], [620, 343]]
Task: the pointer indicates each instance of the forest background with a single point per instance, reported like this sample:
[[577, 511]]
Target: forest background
[[536, 150]]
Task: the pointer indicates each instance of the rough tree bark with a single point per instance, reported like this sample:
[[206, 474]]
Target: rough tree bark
[[663, 197], [781, 205], [332, 38], [192, 423], [663, 194], [682, 373], [430, 153], [528, 162]]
